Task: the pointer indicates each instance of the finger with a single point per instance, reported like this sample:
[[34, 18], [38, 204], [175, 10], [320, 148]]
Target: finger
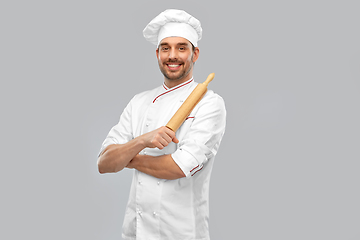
[[169, 132], [172, 135], [159, 142], [156, 143], [159, 146], [175, 140], [165, 141], [166, 137]]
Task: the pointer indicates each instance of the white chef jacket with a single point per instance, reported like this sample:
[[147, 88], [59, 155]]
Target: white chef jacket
[[171, 209]]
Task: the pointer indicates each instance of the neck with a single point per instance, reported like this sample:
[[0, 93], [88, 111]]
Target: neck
[[170, 83]]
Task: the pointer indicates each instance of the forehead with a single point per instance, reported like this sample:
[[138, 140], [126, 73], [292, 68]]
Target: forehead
[[174, 41]]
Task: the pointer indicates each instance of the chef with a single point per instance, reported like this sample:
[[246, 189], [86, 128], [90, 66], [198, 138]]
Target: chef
[[169, 196]]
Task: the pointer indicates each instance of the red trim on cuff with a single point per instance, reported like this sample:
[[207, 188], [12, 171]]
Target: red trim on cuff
[[194, 168], [197, 170]]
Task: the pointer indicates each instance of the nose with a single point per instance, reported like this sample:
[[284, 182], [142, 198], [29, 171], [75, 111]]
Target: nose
[[173, 54]]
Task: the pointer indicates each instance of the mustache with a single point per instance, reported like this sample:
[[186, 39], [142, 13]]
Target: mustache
[[173, 61]]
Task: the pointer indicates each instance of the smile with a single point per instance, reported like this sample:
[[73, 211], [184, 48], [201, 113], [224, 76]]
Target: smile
[[173, 66]]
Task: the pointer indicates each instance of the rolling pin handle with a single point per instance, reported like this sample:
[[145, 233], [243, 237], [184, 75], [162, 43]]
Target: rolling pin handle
[[209, 78]]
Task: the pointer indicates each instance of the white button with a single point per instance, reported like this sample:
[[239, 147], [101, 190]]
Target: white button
[[139, 182], [147, 124], [154, 213], [158, 182], [144, 152]]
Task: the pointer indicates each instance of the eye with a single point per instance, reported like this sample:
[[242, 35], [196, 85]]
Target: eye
[[182, 48], [164, 49]]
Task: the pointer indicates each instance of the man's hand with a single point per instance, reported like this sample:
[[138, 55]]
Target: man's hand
[[159, 138], [117, 156]]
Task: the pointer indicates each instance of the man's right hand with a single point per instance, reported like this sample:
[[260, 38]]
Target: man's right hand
[[159, 138]]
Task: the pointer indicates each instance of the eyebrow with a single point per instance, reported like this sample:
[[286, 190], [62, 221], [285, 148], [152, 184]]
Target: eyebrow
[[183, 44], [179, 44]]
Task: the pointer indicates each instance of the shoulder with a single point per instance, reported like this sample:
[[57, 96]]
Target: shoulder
[[145, 95], [213, 98], [212, 104]]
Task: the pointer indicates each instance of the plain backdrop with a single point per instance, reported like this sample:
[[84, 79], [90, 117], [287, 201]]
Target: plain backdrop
[[289, 71]]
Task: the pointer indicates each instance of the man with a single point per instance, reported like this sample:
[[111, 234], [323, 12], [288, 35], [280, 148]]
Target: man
[[169, 196]]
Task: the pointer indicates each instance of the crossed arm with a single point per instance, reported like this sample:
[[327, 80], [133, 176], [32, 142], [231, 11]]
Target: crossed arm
[[116, 157]]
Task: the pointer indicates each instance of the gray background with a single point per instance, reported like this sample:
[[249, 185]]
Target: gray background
[[289, 71]]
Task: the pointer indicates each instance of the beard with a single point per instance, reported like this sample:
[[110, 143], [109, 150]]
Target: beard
[[183, 73], [178, 76]]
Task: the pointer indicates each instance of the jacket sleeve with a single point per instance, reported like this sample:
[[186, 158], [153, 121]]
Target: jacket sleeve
[[202, 139], [122, 132]]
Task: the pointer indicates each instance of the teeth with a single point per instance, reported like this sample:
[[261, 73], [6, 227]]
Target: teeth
[[173, 66]]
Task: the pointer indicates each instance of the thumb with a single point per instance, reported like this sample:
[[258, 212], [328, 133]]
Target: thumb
[[175, 140]]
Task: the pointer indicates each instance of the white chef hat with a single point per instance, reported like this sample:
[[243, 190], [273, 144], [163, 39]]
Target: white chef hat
[[173, 23]]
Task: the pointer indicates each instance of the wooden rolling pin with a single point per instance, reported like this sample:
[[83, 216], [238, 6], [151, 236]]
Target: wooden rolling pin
[[193, 99]]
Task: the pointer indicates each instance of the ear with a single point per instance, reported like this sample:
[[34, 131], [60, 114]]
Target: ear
[[157, 53], [196, 54]]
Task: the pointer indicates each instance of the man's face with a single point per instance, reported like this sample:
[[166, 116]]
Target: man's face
[[176, 58]]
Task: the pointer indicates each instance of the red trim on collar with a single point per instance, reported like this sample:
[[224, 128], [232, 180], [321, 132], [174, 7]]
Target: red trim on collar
[[172, 89]]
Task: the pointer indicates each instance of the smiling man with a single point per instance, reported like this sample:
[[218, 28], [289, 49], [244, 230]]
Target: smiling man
[[169, 196], [176, 57]]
